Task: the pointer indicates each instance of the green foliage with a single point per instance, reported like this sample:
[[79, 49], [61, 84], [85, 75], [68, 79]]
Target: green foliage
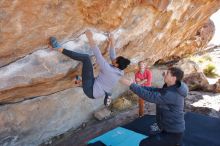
[[202, 59], [210, 71]]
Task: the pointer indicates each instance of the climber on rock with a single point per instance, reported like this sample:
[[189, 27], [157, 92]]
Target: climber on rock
[[109, 74]]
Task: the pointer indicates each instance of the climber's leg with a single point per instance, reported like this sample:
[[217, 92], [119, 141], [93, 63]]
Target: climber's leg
[[87, 69]]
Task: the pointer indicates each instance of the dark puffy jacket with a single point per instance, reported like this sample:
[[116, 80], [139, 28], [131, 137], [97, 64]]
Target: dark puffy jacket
[[169, 102]]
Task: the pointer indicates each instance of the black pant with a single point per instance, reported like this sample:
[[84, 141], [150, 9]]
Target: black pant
[[162, 139], [87, 71]]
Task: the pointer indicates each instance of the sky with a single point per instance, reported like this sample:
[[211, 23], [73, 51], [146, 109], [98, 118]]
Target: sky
[[216, 19]]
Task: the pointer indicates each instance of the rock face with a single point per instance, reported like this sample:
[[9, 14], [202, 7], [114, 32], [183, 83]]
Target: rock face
[[195, 78], [198, 81], [33, 121], [150, 30], [143, 29], [194, 44], [44, 116]]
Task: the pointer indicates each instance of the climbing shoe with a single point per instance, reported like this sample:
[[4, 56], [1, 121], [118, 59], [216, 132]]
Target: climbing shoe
[[54, 43], [154, 129], [107, 100], [78, 79]]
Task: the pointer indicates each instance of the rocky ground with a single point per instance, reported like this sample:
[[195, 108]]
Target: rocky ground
[[199, 102], [207, 103], [203, 102]]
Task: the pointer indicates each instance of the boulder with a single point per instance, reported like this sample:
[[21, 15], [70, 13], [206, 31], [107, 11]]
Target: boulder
[[35, 79]]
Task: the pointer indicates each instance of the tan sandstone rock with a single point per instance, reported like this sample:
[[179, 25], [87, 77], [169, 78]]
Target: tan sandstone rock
[[144, 30], [150, 30]]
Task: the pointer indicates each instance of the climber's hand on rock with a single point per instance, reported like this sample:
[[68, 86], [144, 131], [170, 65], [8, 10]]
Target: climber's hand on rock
[[89, 34], [50, 47]]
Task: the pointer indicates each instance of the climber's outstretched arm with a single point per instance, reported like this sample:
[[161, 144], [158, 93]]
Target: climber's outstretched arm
[[99, 58]]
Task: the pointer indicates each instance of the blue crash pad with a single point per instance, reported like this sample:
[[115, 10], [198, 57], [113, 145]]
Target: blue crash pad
[[200, 130]]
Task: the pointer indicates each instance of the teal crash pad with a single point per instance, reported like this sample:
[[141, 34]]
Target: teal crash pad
[[119, 137]]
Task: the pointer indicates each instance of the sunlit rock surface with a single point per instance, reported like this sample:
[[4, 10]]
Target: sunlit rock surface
[[143, 29], [195, 43], [203, 102], [153, 30]]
